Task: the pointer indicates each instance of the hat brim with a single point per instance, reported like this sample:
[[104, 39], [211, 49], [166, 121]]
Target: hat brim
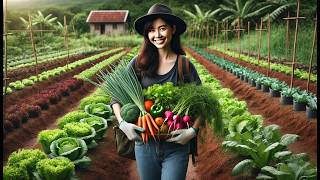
[[140, 22]]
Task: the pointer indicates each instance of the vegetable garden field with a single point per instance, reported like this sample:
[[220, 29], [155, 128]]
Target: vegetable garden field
[[58, 124]]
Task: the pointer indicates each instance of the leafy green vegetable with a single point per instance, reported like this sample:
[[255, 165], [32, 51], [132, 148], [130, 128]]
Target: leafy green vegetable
[[73, 116], [46, 137], [93, 100], [98, 109], [72, 148], [55, 169], [26, 158], [130, 112], [80, 130], [15, 173], [99, 124], [165, 95]]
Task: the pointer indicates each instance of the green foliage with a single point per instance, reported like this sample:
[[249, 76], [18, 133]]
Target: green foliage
[[73, 116], [26, 159], [244, 122], [15, 173], [99, 124], [72, 148], [130, 112], [46, 137], [77, 129], [289, 92], [93, 100], [165, 95], [55, 169], [98, 109], [79, 24]]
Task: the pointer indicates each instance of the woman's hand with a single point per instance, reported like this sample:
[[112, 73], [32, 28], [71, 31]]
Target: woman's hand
[[130, 130], [183, 136]]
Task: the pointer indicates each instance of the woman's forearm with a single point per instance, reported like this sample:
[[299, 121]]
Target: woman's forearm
[[116, 110]]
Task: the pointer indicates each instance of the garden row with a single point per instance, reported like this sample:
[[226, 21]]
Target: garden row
[[20, 84], [263, 149], [23, 62], [301, 100], [20, 113], [273, 66], [78, 131], [24, 72]]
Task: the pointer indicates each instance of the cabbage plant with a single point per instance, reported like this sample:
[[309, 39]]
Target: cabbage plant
[[98, 109], [55, 169], [99, 124], [72, 148], [82, 131], [46, 137]]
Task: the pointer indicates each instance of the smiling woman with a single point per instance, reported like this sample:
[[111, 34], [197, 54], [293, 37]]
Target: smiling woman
[[157, 63]]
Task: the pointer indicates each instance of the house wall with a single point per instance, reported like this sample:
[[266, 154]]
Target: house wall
[[121, 29]]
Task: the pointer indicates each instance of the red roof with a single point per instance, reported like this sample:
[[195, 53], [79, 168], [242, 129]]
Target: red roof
[[112, 16]]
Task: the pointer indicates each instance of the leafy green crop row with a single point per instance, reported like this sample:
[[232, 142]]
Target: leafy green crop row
[[18, 85], [263, 148], [274, 66]]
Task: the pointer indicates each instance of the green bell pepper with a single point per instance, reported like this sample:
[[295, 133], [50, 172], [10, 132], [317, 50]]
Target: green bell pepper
[[156, 110]]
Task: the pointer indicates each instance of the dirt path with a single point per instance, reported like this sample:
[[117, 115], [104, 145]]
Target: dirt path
[[261, 103]]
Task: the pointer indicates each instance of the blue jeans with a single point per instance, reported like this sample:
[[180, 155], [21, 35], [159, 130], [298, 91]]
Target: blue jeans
[[162, 160]]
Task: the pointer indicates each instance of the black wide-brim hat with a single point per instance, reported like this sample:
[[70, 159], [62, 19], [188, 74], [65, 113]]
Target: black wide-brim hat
[[160, 10]]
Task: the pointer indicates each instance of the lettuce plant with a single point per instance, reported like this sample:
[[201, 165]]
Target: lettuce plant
[[99, 124], [93, 100], [26, 158], [15, 173], [73, 116], [72, 148], [82, 131], [46, 137], [55, 169], [99, 109]]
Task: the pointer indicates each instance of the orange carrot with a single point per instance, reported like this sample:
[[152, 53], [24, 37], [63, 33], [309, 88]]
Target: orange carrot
[[139, 122], [153, 122], [149, 126], [144, 126]]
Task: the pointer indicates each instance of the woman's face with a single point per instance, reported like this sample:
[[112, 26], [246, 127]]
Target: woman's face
[[160, 33]]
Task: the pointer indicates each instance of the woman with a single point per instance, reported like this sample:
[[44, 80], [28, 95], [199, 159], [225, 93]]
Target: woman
[[157, 63]]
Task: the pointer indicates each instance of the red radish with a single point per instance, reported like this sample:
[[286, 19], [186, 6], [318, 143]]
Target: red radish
[[168, 115], [187, 120], [169, 122], [180, 125]]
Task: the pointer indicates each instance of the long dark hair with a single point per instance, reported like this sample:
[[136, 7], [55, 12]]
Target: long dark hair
[[147, 61]]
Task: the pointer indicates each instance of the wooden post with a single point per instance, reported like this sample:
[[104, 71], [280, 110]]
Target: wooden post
[[295, 45], [5, 78], [260, 39], [213, 36], [239, 41], [311, 56], [287, 38], [225, 37], [33, 47], [217, 34], [207, 32], [268, 44], [66, 44], [249, 38], [257, 40]]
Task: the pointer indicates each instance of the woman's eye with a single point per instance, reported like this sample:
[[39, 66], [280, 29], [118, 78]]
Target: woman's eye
[[162, 29]]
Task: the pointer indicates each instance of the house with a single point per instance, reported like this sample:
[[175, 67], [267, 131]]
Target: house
[[108, 22]]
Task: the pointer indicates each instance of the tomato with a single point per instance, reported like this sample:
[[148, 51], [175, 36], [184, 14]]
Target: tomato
[[148, 104], [159, 121]]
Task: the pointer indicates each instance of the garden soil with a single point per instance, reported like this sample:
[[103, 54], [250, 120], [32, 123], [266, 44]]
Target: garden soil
[[212, 161], [273, 112]]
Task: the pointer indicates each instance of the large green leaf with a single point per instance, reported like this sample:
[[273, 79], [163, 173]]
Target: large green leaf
[[242, 166], [272, 146], [288, 139], [273, 171]]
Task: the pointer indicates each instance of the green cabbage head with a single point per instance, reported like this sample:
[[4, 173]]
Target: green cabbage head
[[98, 123], [99, 109], [72, 148]]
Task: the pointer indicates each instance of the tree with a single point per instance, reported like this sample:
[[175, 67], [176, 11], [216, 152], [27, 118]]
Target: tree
[[279, 7], [79, 24], [236, 11]]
